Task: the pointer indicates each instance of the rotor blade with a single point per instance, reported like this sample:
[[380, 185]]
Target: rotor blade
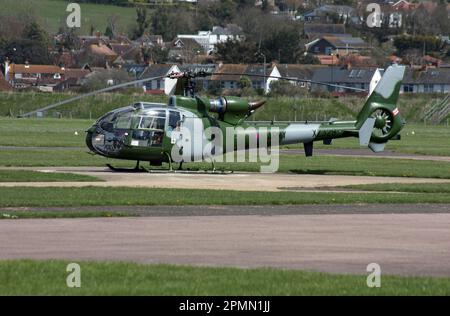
[[290, 79], [52, 106]]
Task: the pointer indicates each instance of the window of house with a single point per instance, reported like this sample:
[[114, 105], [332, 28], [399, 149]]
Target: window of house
[[408, 88], [427, 88]]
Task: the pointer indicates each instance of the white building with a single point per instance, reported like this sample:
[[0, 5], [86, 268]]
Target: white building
[[209, 39]]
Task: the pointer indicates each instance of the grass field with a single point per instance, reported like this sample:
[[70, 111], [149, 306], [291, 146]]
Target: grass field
[[101, 278], [298, 164], [401, 187], [52, 14], [281, 108], [95, 196], [416, 138], [32, 176]]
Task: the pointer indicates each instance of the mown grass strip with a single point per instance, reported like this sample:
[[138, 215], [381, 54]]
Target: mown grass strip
[[26, 277], [108, 196]]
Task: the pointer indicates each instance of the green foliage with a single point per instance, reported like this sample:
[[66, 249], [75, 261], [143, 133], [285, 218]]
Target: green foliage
[[284, 88], [35, 32], [142, 22], [429, 43], [26, 277], [237, 52], [109, 32], [283, 43], [22, 50], [32, 46]]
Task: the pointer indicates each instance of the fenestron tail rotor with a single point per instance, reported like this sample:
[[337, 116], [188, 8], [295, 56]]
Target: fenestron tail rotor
[[383, 122]]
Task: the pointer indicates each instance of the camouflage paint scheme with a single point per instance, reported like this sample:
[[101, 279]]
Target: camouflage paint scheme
[[232, 112]]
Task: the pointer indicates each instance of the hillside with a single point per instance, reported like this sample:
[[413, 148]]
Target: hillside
[[52, 14]]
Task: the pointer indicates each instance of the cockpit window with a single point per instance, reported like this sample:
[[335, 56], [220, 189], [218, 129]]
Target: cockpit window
[[151, 122], [123, 121], [174, 119]]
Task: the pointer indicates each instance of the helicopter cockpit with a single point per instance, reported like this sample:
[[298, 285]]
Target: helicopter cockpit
[[141, 125]]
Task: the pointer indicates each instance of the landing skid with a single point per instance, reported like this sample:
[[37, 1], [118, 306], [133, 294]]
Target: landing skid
[[135, 169], [139, 169], [185, 171]]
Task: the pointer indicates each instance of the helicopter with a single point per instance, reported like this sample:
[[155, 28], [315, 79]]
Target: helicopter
[[177, 132]]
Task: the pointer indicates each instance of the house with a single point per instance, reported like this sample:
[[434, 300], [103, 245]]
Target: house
[[361, 78], [47, 78], [127, 54], [73, 78], [230, 76], [403, 5], [148, 40], [328, 45], [25, 75], [135, 70], [329, 13], [313, 31], [185, 50], [329, 60], [427, 80], [161, 84], [209, 39], [298, 71], [102, 54]]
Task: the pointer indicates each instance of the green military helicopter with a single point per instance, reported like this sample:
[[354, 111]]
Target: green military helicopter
[[179, 131]]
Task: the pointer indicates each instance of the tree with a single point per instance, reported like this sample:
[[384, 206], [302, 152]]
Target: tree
[[283, 44], [142, 22], [23, 50], [170, 23], [109, 32], [34, 32], [237, 52]]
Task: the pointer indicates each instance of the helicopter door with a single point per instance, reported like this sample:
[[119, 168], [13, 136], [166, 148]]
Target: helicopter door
[[191, 138]]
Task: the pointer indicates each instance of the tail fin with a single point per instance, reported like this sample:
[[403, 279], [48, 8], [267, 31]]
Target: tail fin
[[379, 119]]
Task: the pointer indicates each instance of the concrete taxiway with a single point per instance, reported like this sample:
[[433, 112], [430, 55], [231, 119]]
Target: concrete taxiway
[[241, 181], [402, 244]]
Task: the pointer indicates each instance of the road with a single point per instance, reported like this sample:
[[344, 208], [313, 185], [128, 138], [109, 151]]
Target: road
[[402, 244]]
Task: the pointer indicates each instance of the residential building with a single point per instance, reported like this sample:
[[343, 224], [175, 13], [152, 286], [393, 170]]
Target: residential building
[[427, 80], [47, 78], [352, 77], [230, 76], [328, 14], [298, 71], [148, 40], [185, 50], [313, 31], [328, 45], [161, 84], [209, 39]]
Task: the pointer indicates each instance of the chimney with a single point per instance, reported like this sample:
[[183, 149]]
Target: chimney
[[7, 69]]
